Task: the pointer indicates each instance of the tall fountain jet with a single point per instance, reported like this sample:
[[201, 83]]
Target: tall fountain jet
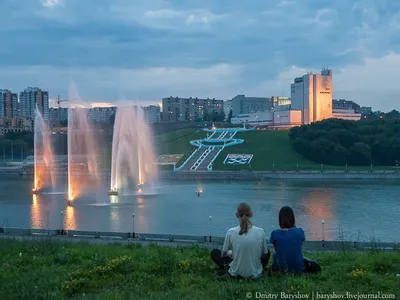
[[132, 163], [44, 176], [83, 158]]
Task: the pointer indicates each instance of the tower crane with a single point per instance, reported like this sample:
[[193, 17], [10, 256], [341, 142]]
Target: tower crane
[[59, 108]]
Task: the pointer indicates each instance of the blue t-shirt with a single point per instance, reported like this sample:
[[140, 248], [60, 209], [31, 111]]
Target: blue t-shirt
[[288, 255]]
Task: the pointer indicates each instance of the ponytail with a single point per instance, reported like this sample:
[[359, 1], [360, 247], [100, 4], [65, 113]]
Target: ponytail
[[245, 224]]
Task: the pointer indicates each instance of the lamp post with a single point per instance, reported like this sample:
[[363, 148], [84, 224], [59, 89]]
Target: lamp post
[[133, 225], [210, 218]]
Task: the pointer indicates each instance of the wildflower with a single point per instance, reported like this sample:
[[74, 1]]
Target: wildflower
[[359, 272], [20, 254]]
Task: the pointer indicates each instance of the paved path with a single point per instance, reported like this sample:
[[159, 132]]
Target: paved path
[[310, 246]]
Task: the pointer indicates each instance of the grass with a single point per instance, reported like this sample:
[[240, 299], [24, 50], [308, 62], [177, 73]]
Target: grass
[[177, 142], [54, 270], [272, 150]]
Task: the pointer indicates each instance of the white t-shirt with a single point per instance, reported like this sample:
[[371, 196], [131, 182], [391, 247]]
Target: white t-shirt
[[246, 251]]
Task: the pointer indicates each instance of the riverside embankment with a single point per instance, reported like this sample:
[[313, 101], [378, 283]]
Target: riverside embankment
[[243, 175], [146, 239]]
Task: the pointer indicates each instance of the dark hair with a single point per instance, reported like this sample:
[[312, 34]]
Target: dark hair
[[286, 218], [244, 214]]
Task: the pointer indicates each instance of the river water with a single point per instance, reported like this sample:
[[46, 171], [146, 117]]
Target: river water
[[361, 210]]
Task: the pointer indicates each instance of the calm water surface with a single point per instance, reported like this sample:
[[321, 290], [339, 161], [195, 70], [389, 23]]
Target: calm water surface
[[357, 210]]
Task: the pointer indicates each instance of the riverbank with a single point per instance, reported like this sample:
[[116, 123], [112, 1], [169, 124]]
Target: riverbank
[[146, 239], [264, 175], [56, 270], [242, 175]]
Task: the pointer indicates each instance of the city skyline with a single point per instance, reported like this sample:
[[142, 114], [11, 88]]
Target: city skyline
[[114, 50]]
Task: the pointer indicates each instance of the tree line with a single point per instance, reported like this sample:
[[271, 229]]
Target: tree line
[[340, 142]]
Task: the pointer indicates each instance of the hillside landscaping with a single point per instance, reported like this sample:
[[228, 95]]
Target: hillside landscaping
[[271, 149]]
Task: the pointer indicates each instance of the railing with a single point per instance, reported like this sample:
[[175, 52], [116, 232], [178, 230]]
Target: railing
[[201, 158], [206, 240], [209, 167], [187, 160]]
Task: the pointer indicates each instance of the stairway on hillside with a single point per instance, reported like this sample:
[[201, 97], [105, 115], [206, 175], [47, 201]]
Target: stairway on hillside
[[204, 164], [194, 158], [205, 154]]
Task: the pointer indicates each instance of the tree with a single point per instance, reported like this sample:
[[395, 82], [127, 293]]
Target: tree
[[360, 154], [339, 142]]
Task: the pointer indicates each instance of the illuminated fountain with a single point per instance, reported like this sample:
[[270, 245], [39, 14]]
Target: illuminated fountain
[[43, 156], [132, 163], [83, 172]]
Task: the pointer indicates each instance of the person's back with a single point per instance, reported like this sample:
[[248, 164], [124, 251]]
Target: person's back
[[288, 249], [244, 253], [288, 243], [247, 250]]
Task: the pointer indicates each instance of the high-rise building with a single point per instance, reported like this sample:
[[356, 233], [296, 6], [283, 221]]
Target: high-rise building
[[32, 97], [151, 114], [246, 105], [312, 95], [58, 116], [227, 108], [101, 115], [8, 104], [177, 109]]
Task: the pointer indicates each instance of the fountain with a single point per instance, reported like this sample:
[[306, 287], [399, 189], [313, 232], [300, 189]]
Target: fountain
[[83, 170], [43, 155], [132, 163]]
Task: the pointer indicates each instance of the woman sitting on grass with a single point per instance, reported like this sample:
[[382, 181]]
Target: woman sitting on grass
[[247, 245], [288, 242]]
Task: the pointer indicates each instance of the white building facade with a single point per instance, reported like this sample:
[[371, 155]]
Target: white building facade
[[312, 95], [346, 114]]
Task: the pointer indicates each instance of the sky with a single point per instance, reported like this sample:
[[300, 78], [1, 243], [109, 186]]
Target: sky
[[148, 49]]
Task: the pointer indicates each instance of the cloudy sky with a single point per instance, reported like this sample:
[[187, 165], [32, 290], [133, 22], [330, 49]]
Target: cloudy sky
[[148, 49]]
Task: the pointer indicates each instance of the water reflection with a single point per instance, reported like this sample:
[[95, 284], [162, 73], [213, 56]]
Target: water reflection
[[70, 218], [115, 217], [114, 199], [140, 219], [35, 213], [318, 208]]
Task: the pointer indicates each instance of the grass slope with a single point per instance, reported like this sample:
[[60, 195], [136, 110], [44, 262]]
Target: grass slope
[[269, 148], [177, 142], [52, 270]]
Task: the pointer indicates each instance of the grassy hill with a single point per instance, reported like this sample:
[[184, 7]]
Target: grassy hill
[[270, 149], [55, 270], [177, 142]]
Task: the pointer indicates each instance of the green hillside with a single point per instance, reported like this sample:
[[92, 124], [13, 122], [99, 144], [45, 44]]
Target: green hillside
[[270, 149], [177, 142]]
